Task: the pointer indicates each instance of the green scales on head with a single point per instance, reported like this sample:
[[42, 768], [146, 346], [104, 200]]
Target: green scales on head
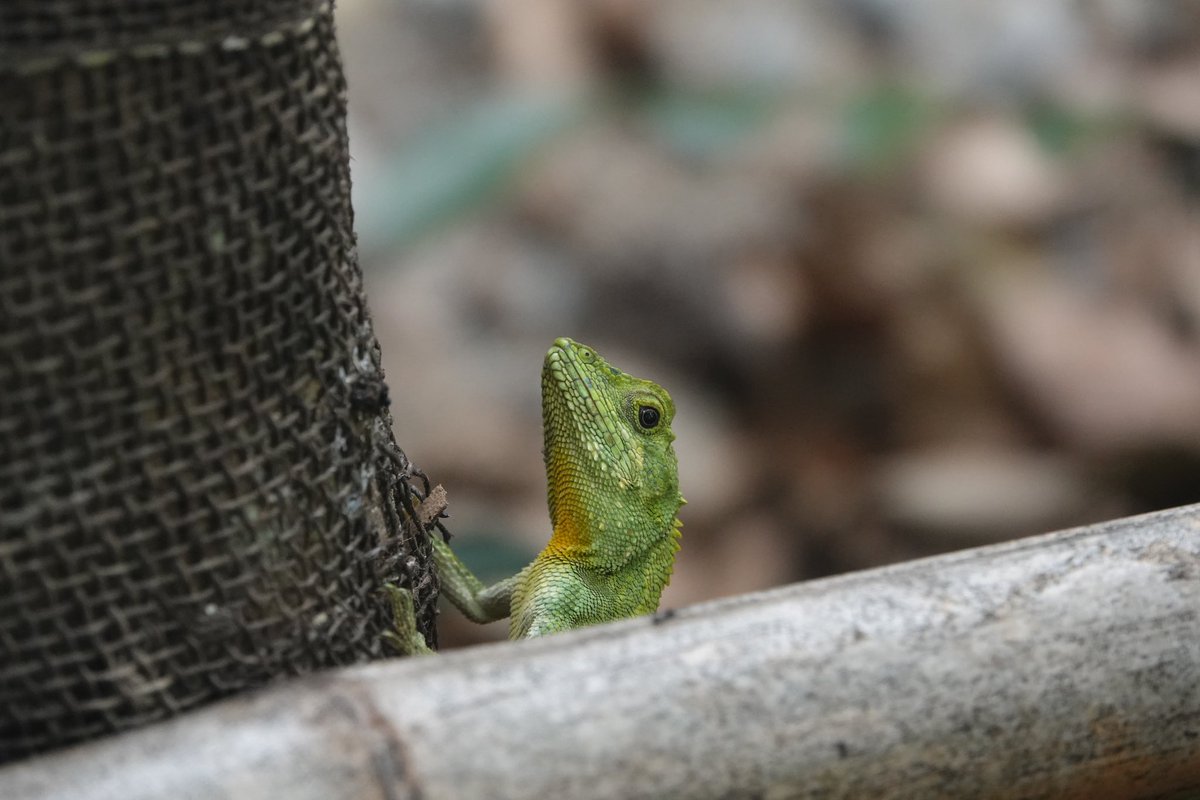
[[613, 490]]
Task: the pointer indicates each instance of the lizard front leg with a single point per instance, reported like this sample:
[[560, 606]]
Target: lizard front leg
[[477, 602]]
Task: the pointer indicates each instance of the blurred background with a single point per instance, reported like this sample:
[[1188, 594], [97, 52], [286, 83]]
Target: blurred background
[[920, 274]]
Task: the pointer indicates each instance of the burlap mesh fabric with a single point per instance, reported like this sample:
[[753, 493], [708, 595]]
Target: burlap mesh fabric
[[197, 475]]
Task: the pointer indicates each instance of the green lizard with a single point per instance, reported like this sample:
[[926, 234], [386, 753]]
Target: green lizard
[[613, 489]]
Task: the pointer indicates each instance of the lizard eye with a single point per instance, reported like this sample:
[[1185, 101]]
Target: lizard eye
[[647, 416]]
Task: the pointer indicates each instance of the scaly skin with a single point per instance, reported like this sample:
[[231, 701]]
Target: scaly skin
[[613, 489]]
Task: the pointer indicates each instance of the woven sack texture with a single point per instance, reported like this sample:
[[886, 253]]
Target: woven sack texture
[[199, 490]]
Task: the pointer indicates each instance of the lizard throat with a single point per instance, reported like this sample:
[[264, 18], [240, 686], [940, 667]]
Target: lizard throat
[[597, 530]]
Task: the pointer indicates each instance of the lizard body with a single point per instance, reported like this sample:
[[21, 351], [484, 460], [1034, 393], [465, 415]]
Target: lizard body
[[613, 492]]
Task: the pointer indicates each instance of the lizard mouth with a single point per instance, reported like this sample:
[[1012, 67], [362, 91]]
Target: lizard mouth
[[574, 372], [573, 427], [563, 362], [571, 351], [561, 374], [575, 407]]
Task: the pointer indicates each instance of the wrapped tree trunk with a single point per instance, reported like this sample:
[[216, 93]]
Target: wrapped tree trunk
[[197, 472]]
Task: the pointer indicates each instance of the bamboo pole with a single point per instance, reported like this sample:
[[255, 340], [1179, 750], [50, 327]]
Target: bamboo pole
[[1062, 666]]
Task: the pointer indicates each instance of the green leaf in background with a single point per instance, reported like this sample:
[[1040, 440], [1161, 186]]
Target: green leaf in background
[[883, 126], [492, 556], [453, 167], [1060, 131], [705, 124]]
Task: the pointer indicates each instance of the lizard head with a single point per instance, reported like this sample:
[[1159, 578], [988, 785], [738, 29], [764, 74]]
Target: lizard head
[[610, 465]]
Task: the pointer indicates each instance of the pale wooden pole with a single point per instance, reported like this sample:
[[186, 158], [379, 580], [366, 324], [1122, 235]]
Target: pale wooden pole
[[1061, 666]]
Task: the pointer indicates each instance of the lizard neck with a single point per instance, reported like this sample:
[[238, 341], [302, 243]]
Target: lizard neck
[[599, 531]]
